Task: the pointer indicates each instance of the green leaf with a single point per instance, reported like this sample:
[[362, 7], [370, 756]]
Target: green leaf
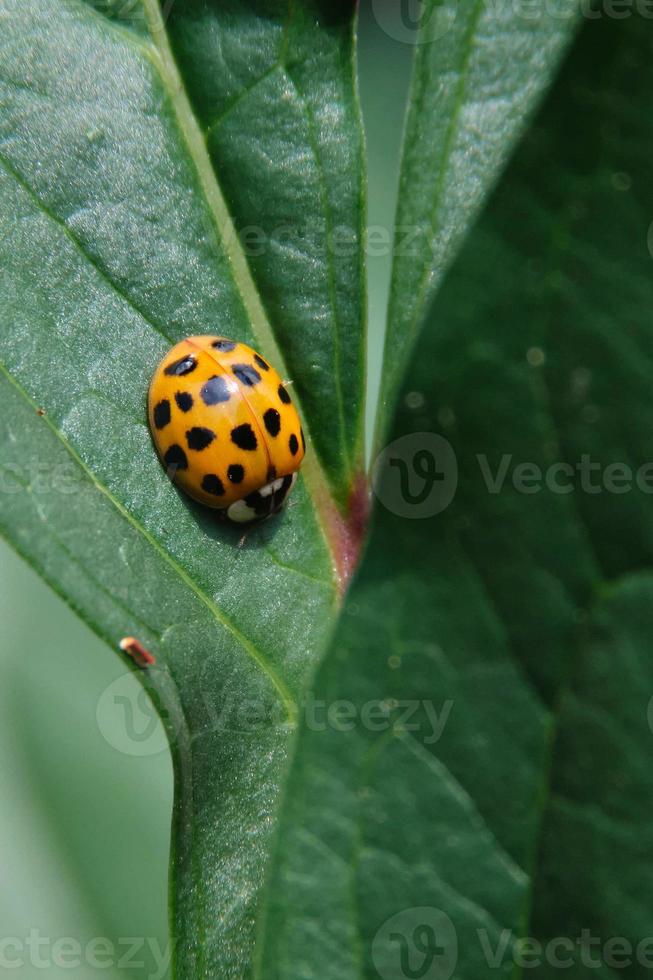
[[513, 625], [118, 239], [479, 69], [273, 87]]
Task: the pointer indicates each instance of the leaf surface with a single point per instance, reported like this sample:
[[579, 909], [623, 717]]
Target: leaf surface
[[478, 769], [118, 241], [479, 70], [273, 87]]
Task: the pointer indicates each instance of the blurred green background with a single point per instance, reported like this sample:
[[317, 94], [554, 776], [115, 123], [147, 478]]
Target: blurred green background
[[86, 778]]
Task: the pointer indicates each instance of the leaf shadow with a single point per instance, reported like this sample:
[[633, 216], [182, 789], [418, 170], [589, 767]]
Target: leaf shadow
[[239, 537]]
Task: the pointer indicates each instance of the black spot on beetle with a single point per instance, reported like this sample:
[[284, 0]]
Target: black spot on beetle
[[261, 363], [224, 345], [175, 458], [246, 374], [235, 473], [293, 444], [162, 414], [199, 437], [215, 390], [283, 395], [243, 437], [281, 494], [258, 503], [272, 421], [184, 365], [213, 484], [184, 400], [270, 503]]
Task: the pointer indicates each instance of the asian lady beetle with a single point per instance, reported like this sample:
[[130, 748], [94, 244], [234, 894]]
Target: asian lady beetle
[[225, 428]]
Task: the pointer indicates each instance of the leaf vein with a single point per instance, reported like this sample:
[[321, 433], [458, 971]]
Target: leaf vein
[[213, 124], [331, 282], [250, 649], [164, 62], [61, 224]]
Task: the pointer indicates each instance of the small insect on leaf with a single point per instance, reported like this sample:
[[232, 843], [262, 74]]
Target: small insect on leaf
[[225, 427], [141, 657]]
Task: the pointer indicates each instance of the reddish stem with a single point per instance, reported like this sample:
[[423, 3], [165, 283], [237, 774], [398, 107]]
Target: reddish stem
[[346, 531]]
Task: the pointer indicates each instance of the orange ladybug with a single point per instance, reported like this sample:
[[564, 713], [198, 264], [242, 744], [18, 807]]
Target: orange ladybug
[[225, 427]]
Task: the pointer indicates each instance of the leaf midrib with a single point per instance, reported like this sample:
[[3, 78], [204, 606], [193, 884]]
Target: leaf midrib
[[250, 649], [164, 63], [436, 201], [79, 245]]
